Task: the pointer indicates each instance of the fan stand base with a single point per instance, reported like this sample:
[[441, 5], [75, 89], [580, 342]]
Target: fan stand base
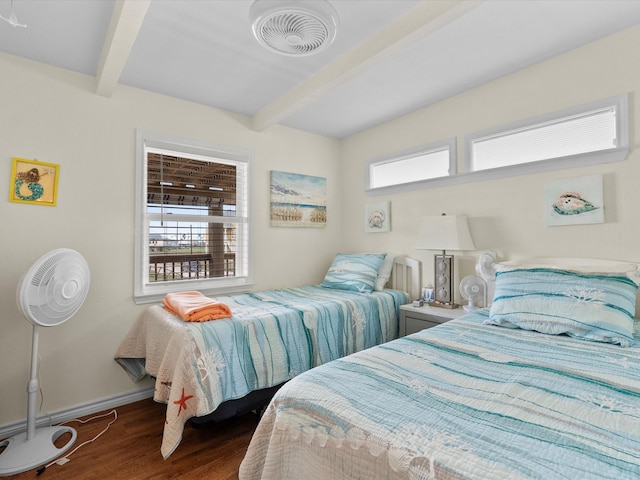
[[21, 454]]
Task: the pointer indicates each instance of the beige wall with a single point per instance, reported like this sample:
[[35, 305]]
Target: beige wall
[[54, 116], [507, 215]]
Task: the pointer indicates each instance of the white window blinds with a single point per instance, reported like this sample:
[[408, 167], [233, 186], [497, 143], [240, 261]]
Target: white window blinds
[[589, 131], [433, 161], [193, 220]]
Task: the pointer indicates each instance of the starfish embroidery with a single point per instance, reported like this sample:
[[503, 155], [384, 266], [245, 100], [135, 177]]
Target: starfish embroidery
[[182, 402]]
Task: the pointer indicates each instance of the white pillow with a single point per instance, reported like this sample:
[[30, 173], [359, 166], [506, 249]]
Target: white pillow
[[385, 272]]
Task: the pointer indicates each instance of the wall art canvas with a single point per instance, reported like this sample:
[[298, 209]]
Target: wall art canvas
[[377, 217], [298, 200], [34, 182], [574, 201]]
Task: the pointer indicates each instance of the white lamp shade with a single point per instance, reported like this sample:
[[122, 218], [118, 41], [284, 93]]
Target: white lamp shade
[[444, 232]]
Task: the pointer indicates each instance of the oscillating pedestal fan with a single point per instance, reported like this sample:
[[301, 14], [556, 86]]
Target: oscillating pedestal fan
[[50, 292]]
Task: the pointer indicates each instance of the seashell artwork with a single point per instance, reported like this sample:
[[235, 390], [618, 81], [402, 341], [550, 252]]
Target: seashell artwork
[[376, 217], [571, 203], [574, 201]]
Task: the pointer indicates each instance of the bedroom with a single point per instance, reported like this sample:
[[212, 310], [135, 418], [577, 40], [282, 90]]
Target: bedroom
[[54, 115]]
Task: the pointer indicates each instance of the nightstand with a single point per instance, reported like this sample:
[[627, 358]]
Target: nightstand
[[413, 319]]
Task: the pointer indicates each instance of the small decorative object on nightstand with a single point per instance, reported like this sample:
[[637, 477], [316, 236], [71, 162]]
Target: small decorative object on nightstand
[[413, 319]]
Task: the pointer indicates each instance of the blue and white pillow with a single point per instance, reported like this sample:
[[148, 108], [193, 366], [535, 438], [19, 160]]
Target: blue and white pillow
[[598, 307], [355, 272]]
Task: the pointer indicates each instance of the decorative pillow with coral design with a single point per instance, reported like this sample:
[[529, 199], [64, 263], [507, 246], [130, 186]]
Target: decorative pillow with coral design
[[356, 272], [599, 307]]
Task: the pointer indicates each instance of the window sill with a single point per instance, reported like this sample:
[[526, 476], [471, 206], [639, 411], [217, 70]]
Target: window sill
[[156, 292]]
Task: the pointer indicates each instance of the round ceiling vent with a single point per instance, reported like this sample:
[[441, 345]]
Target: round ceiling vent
[[294, 27]]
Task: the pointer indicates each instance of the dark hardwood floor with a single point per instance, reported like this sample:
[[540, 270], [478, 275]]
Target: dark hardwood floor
[[130, 449]]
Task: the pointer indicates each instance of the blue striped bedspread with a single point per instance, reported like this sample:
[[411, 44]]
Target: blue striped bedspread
[[272, 337], [463, 400]]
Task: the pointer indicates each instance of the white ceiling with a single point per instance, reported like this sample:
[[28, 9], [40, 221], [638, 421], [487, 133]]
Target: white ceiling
[[390, 57]]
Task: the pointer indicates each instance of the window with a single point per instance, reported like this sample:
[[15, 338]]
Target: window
[[192, 222], [432, 161], [589, 134], [594, 133]]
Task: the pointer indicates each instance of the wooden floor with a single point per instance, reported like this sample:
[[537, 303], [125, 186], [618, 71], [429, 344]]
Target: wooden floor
[[130, 449]]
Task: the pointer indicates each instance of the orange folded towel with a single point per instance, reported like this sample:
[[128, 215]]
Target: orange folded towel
[[195, 307]]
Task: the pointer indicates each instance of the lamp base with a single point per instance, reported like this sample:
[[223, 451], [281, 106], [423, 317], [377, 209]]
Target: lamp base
[[443, 305], [443, 281]]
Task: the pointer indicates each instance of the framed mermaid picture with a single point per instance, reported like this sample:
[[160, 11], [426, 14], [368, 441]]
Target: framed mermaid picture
[[34, 182]]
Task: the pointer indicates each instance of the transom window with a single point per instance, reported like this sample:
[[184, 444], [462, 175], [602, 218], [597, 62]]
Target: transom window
[[585, 135], [431, 161], [586, 130], [192, 223]]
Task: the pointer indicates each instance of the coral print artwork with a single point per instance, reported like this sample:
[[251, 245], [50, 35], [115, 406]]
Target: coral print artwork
[[575, 201], [33, 182]]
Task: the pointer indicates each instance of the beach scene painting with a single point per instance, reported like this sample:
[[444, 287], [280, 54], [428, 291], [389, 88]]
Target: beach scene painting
[[298, 200], [575, 201]]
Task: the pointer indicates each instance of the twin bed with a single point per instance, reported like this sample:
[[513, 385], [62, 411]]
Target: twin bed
[[216, 369], [543, 384]]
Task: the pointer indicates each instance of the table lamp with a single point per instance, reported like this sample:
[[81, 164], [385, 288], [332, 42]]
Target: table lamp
[[444, 232]]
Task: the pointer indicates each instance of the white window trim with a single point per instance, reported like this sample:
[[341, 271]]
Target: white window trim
[[616, 154], [147, 292], [449, 143]]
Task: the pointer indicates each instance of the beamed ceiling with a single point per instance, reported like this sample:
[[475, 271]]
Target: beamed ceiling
[[390, 57]]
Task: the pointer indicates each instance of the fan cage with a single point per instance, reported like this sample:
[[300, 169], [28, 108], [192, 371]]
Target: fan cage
[[54, 288], [473, 288], [472, 284]]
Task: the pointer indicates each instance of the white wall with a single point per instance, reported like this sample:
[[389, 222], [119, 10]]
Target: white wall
[[54, 116], [507, 215]]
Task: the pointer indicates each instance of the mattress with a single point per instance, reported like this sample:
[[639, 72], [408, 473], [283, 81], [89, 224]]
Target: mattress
[[273, 336], [462, 400]]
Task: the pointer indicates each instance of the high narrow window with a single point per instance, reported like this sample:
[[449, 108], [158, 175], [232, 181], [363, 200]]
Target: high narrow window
[[432, 161], [192, 218], [591, 130]]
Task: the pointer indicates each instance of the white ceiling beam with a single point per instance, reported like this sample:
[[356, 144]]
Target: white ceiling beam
[[424, 19], [125, 24]]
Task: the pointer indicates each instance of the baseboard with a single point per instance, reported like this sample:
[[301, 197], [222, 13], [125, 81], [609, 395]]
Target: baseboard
[[61, 416]]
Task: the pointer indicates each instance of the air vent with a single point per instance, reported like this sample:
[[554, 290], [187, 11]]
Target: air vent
[[294, 28]]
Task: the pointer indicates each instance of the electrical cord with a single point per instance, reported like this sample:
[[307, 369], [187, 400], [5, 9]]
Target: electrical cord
[[42, 393], [65, 459]]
